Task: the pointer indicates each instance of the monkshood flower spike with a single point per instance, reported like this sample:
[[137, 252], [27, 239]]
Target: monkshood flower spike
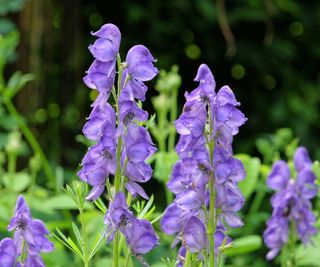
[[205, 178], [30, 239], [292, 218], [117, 161]]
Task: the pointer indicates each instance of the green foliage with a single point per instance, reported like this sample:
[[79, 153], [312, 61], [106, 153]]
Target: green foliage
[[243, 245], [252, 167]]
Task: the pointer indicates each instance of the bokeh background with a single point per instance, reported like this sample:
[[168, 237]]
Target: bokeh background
[[268, 51]]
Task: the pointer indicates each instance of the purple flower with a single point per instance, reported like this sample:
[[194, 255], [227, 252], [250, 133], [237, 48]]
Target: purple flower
[[138, 148], [101, 74], [8, 252], [279, 176], [196, 167], [32, 232], [140, 63], [301, 159], [119, 134], [291, 203], [171, 222], [101, 118], [139, 234], [34, 261], [194, 235], [139, 69], [106, 47]]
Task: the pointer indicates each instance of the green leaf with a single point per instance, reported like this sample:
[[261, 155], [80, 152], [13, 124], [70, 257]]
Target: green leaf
[[68, 242], [308, 256], [17, 182], [104, 262], [77, 234], [62, 202], [243, 245], [100, 205], [16, 82], [146, 208], [252, 167], [100, 237]]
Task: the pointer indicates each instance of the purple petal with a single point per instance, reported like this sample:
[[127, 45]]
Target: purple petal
[[95, 192], [104, 50], [226, 96], [194, 235], [140, 63], [279, 176], [111, 32], [204, 75], [170, 222], [143, 238], [135, 189], [301, 159]]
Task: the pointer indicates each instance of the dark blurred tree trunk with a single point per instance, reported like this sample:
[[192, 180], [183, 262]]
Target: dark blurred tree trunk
[[33, 22], [52, 48]]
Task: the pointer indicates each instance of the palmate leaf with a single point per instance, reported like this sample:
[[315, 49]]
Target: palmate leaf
[[77, 234], [99, 240], [100, 205], [146, 208], [68, 242]]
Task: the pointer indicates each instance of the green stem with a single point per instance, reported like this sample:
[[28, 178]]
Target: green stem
[[12, 163], [117, 176], [22, 256], [32, 141], [212, 217], [116, 250], [211, 223], [169, 196], [173, 116], [127, 259], [84, 240], [291, 246], [187, 260], [162, 124], [219, 259]]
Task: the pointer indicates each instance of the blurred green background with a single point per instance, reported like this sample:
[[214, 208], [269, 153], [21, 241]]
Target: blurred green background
[[271, 59], [268, 51]]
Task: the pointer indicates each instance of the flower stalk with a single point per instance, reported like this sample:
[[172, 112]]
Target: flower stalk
[[122, 145], [205, 178]]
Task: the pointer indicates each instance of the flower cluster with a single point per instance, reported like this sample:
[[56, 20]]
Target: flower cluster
[[28, 242], [206, 127], [122, 145], [292, 208]]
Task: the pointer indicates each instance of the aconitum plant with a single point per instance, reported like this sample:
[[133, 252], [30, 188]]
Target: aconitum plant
[[30, 239], [205, 178], [121, 144], [292, 218]]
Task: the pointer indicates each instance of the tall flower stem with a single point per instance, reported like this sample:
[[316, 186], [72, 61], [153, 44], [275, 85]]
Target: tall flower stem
[[173, 117], [84, 240], [117, 176], [212, 217], [291, 246], [187, 261]]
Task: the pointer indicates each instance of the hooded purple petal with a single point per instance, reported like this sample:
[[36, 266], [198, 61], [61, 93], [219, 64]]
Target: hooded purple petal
[[140, 63]]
